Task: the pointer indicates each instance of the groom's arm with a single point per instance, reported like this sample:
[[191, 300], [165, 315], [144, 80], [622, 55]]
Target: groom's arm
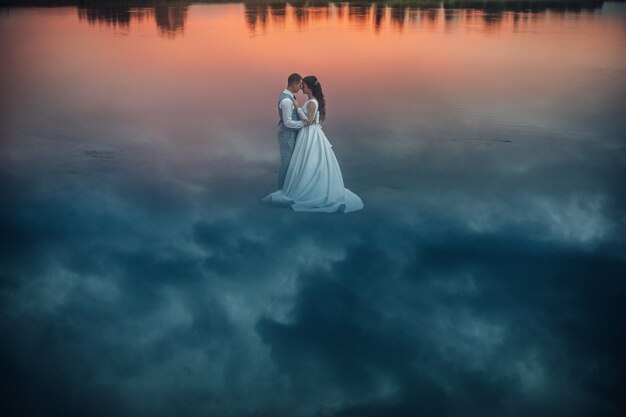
[[286, 107]]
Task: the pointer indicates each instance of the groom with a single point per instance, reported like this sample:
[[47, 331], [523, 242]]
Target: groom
[[289, 124]]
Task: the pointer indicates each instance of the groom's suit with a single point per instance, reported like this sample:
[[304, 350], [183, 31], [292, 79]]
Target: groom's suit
[[288, 128]]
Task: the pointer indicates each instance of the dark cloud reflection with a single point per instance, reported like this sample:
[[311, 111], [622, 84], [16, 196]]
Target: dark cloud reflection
[[141, 275], [114, 306]]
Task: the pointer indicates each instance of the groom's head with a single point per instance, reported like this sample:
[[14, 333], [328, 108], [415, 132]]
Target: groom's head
[[294, 82]]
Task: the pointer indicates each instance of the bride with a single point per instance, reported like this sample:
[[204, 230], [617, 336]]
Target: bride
[[313, 181]]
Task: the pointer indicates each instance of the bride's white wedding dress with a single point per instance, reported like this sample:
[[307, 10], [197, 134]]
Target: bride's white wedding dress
[[313, 181]]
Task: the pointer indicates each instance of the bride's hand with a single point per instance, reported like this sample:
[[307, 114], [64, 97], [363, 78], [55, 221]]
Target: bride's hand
[[295, 102]]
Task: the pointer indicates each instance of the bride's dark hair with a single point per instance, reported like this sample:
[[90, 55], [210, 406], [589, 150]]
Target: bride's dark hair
[[312, 82]]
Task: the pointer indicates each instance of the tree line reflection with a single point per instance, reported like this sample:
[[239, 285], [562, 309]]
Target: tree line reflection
[[170, 15], [170, 19], [398, 14]]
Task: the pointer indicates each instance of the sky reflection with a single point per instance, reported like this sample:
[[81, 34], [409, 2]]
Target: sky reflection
[[140, 274]]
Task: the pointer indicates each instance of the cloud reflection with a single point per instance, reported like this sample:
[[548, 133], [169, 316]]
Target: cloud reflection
[[143, 306]]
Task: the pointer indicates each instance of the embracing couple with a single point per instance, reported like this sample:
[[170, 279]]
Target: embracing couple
[[309, 178]]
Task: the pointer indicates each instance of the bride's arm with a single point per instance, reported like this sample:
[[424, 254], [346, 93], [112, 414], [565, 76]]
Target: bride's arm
[[310, 108], [301, 114], [299, 109]]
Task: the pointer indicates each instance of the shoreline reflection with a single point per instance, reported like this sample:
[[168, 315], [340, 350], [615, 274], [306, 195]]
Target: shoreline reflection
[[429, 14], [170, 17], [170, 20]]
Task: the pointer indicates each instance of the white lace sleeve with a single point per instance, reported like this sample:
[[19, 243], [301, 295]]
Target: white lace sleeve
[[301, 114]]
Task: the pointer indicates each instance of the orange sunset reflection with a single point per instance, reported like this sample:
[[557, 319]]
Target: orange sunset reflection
[[403, 66], [262, 15], [200, 48]]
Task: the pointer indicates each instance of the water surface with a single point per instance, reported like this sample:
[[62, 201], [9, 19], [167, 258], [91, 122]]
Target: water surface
[[142, 275]]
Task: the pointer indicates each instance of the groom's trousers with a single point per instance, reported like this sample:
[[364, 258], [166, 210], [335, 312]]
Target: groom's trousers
[[286, 144]]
